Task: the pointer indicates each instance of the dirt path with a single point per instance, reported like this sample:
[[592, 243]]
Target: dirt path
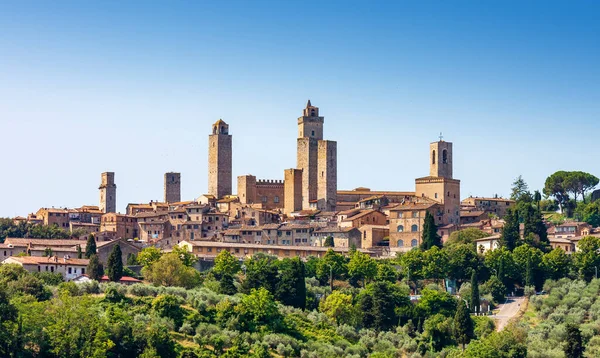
[[507, 311]]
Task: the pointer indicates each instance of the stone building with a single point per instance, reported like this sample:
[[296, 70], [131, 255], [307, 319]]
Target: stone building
[[54, 216], [440, 185], [495, 205], [124, 226], [219, 160], [172, 187], [317, 158], [406, 222], [69, 268], [108, 193], [267, 192]]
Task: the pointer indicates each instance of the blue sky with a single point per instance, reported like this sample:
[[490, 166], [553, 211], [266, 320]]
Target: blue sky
[[133, 87]]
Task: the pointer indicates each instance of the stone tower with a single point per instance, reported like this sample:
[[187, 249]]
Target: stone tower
[[440, 185], [219, 160], [108, 193], [318, 161], [172, 187], [292, 190], [246, 190], [441, 159]]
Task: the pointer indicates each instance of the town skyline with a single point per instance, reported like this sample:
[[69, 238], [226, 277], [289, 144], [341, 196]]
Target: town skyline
[[86, 92]]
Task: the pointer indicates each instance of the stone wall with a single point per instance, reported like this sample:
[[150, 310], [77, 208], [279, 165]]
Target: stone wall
[[246, 189], [327, 175], [172, 189], [293, 190]]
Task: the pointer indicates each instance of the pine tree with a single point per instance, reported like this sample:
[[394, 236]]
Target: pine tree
[[474, 293], [114, 265], [574, 345], [510, 232], [90, 247], [79, 253], [95, 269], [463, 325], [430, 236]]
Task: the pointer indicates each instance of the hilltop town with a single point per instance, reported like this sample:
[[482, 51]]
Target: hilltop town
[[303, 215]]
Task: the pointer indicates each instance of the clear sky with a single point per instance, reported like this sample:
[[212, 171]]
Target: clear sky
[[133, 87]]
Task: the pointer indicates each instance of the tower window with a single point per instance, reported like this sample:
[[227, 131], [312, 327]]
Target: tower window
[[312, 133], [433, 157], [445, 156], [435, 195]]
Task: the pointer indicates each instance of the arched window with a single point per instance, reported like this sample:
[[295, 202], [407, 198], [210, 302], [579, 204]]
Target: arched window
[[433, 157], [445, 156], [435, 195], [414, 228], [413, 242], [312, 112], [400, 228], [215, 130], [400, 243]]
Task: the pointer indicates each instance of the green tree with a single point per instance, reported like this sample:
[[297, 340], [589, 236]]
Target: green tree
[[131, 259], [413, 264], [261, 271], [510, 232], [329, 241], [149, 255], [578, 182], [226, 264], [591, 213], [496, 288], [474, 293], [463, 260], [331, 266], [519, 188], [380, 303], [362, 267], [90, 247], [574, 344], [537, 198], [463, 325], [436, 263], [170, 271], [168, 306], [500, 262], [386, 272], [258, 309], [525, 255], [226, 285], [438, 331], [79, 252], [557, 263], [434, 302], [94, 269], [338, 306], [114, 264], [586, 259], [291, 285], [8, 326], [186, 257], [430, 236]]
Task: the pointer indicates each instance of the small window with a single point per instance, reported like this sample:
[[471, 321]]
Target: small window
[[312, 133], [435, 195], [400, 215], [413, 242], [276, 199], [400, 243], [400, 228], [414, 228]]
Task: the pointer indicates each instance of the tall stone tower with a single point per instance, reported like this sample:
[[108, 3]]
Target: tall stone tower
[[219, 160], [318, 161], [172, 187], [440, 185], [441, 159], [108, 193]]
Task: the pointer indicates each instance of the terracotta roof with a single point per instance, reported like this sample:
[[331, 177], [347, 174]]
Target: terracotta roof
[[349, 212], [335, 229], [150, 214], [371, 198], [373, 193], [467, 214], [37, 260], [488, 199], [413, 206], [266, 246], [123, 279], [43, 242], [488, 238], [559, 241], [362, 214]]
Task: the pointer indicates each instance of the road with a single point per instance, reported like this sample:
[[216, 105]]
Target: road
[[507, 311]]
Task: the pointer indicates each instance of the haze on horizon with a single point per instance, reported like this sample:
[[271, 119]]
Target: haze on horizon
[[134, 88]]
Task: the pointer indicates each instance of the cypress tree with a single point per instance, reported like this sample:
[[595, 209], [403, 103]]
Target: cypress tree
[[94, 268], [510, 231], [329, 241], [79, 253], [463, 325], [430, 236], [114, 265], [529, 277], [574, 345], [291, 284], [474, 293], [90, 247]]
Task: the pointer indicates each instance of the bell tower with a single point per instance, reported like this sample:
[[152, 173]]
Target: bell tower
[[440, 154]]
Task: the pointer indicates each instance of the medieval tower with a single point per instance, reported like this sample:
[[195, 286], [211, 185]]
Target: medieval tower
[[317, 158], [172, 187], [219, 160], [440, 185], [108, 193]]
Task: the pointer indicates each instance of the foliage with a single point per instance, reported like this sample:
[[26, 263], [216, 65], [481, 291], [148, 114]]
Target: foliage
[[226, 264], [170, 271], [186, 257], [474, 303], [149, 255], [291, 286], [465, 236], [510, 232], [573, 345], [261, 271], [90, 247], [338, 306], [519, 188], [362, 267], [430, 236], [587, 259], [496, 288], [94, 269], [329, 241], [463, 325], [114, 265], [379, 302], [331, 266]]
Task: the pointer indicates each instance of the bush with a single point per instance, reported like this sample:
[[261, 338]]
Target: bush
[[49, 278], [89, 287], [68, 288], [112, 294], [143, 290]]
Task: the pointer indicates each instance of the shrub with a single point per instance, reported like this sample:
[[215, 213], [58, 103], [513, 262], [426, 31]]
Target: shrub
[[68, 288], [142, 290], [89, 287]]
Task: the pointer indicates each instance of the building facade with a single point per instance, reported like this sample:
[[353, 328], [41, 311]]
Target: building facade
[[172, 188]]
